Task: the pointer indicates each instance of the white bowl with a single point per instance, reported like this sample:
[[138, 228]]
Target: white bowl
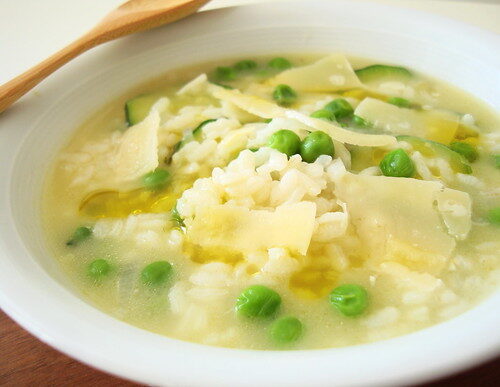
[[35, 293]]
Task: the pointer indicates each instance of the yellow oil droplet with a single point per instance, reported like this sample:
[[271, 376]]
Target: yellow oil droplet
[[355, 93], [356, 260], [471, 140], [377, 155], [435, 172], [313, 282], [163, 204], [201, 254], [440, 127], [361, 158], [424, 148], [362, 94], [115, 204], [252, 269], [466, 134]]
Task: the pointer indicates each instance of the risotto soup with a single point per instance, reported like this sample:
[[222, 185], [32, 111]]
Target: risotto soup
[[290, 202]]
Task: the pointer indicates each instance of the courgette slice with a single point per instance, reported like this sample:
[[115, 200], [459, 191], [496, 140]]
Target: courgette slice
[[222, 85], [435, 149], [377, 72], [198, 130], [195, 134], [137, 108]]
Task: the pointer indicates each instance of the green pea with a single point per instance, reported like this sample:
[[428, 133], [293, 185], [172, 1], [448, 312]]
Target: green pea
[[360, 122], [244, 65], [316, 144], [258, 301], [156, 179], [284, 95], [285, 141], [268, 120], [286, 330], [350, 299], [98, 269], [198, 130], [176, 218], [340, 108], [323, 114], [398, 101], [466, 150], [279, 64], [264, 73], [156, 273], [80, 234], [225, 74], [494, 216], [253, 149], [397, 163]]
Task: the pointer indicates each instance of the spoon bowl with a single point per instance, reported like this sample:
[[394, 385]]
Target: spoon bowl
[[140, 15]]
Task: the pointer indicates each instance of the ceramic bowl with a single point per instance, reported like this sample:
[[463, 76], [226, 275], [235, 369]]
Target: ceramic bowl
[[35, 293]]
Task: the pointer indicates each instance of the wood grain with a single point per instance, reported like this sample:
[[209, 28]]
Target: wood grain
[[26, 361]]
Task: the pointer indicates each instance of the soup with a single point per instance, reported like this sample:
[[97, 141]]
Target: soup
[[293, 202]]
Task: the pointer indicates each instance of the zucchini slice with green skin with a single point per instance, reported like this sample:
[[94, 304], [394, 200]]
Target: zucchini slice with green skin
[[378, 71], [222, 85], [137, 108], [436, 149], [198, 130], [194, 135]]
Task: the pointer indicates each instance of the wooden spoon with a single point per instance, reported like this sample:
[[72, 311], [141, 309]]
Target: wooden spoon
[[130, 17]]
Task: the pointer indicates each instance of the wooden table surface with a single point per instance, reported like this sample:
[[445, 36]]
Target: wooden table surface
[[24, 360]]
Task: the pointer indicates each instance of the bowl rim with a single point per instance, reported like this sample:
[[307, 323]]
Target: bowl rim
[[108, 351]]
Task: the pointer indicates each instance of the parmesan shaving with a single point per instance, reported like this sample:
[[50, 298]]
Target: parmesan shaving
[[329, 74], [398, 220], [137, 153], [237, 228], [265, 109]]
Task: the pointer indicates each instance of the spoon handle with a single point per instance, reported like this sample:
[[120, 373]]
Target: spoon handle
[[14, 89]]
